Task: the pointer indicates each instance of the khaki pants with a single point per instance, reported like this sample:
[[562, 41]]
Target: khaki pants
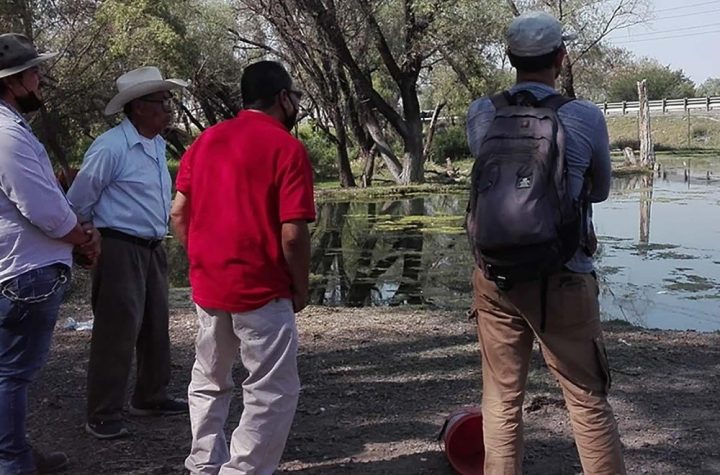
[[574, 350], [267, 339]]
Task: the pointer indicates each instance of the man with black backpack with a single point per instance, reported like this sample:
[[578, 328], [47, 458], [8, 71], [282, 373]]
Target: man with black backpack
[[541, 159]]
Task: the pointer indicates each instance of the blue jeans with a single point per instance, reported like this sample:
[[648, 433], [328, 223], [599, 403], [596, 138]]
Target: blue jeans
[[29, 307]]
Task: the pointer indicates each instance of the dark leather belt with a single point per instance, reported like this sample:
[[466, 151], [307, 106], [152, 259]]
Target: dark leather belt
[[115, 234]]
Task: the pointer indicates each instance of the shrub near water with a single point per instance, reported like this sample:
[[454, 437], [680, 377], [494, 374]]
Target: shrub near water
[[449, 142], [322, 152]]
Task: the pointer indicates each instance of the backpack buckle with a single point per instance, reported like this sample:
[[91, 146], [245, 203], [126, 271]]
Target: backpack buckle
[[501, 281]]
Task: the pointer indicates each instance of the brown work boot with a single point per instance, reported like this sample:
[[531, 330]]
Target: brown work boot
[[51, 462]]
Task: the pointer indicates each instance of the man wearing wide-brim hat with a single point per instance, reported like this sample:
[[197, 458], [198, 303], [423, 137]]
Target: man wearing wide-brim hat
[[38, 230], [123, 188]]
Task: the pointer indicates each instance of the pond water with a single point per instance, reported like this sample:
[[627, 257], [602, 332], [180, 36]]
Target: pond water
[[658, 260]]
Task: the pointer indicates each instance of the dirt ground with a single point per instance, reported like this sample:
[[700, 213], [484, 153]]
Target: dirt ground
[[377, 385]]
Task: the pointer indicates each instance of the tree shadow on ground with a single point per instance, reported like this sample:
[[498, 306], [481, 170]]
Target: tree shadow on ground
[[374, 403]]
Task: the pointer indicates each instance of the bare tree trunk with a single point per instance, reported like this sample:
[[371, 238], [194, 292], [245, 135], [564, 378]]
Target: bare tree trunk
[[413, 166], [414, 163], [51, 134], [376, 132], [335, 95], [209, 111], [343, 161], [189, 116], [173, 138], [368, 167], [567, 78], [647, 149], [431, 129]]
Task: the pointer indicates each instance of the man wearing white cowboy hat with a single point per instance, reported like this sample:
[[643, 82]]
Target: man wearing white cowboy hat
[[123, 188], [38, 229]]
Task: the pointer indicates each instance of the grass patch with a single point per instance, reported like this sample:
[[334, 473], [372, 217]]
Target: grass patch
[[620, 171], [619, 323], [669, 132]]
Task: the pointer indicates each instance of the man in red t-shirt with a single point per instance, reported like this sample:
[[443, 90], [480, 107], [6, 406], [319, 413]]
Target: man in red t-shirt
[[244, 198]]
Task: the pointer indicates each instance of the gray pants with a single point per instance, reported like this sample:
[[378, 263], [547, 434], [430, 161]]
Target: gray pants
[[130, 304], [267, 339]]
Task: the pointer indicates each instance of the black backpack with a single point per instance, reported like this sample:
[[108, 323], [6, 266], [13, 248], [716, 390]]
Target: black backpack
[[522, 221]]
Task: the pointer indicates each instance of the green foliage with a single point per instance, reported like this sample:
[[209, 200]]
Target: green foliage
[[595, 70], [469, 60], [450, 142], [662, 82], [448, 52], [322, 152], [711, 87]]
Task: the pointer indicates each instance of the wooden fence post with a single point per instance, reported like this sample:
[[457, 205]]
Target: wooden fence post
[[647, 149]]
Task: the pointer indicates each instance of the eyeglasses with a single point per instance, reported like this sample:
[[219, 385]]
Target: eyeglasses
[[167, 102], [296, 93]]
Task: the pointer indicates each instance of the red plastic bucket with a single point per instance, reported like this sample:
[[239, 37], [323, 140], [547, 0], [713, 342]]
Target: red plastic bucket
[[462, 441]]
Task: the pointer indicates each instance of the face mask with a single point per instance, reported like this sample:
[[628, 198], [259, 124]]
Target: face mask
[[29, 102], [290, 119]]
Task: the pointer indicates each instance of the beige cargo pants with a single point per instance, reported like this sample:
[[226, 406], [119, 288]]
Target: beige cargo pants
[[573, 347]]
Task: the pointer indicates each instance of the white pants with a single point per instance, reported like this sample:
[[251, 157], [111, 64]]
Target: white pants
[[267, 339]]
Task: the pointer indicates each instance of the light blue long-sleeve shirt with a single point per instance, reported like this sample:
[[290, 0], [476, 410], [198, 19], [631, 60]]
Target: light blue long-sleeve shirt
[[124, 183], [34, 213], [586, 146]]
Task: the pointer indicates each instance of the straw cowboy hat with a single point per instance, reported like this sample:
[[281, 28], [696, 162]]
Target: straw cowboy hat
[[137, 83], [17, 54]]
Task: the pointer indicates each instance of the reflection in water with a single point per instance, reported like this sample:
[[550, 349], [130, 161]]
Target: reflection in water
[[415, 251], [411, 251], [645, 205], [668, 276], [391, 253]]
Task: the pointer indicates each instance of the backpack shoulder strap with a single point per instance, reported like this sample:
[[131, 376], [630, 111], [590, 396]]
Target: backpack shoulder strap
[[555, 101], [502, 99]]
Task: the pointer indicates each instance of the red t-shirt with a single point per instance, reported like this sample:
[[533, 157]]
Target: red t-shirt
[[243, 178]]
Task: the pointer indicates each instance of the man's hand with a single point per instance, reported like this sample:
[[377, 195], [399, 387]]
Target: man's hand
[[87, 253]]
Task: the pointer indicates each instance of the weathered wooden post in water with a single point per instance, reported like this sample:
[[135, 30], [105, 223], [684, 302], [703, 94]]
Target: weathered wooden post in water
[[647, 149], [646, 197]]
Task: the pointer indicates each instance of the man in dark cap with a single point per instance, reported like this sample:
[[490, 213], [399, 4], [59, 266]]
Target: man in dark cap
[[244, 198], [39, 230]]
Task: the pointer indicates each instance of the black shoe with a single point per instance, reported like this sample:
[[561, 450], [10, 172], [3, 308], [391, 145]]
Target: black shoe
[[167, 407], [51, 462], [106, 429]]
